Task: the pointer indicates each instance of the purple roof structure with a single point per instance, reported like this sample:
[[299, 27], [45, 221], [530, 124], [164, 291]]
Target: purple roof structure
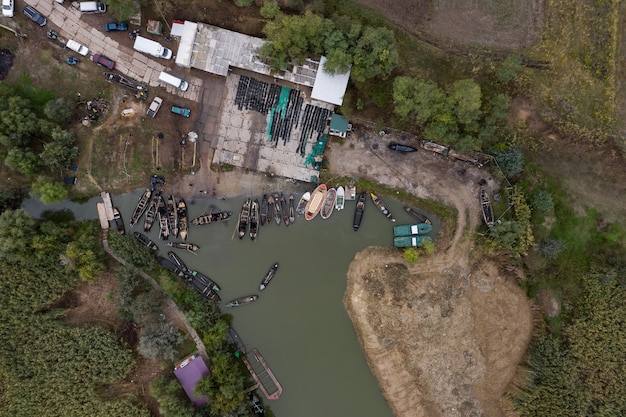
[[188, 372]]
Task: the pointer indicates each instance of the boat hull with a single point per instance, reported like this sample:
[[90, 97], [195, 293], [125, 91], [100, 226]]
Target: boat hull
[[410, 241], [244, 219], [341, 198], [212, 218], [382, 207], [394, 146], [412, 229], [146, 241], [119, 222], [329, 203], [268, 277], [314, 205], [302, 203], [254, 219], [417, 215], [183, 220], [238, 302], [141, 207], [292, 209], [359, 211]]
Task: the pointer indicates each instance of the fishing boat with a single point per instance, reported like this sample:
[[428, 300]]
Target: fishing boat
[[314, 205], [254, 219], [164, 230], [172, 217], [292, 209], [151, 211], [183, 220], [401, 148], [170, 266], [141, 207], [204, 289], [268, 277], [278, 215], [359, 211], [203, 279], [417, 215], [263, 210], [410, 241], [412, 229], [270, 209], [487, 209], [244, 219], [341, 198], [119, 223], [212, 218], [329, 203], [284, 208], [302, 203], [179, 262], [145, 241], [382, 207], [189, 247], [237, 302]]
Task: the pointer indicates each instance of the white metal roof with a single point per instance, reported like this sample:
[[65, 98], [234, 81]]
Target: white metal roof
[[329, 88], [185, 47]]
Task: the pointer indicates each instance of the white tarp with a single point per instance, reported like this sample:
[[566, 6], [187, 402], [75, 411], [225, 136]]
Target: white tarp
[[185, 47], [329, 88]]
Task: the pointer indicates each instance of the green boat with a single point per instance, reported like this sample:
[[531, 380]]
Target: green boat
[[410, 241], [411, 229]]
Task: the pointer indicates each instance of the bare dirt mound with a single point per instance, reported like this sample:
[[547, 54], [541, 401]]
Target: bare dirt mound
[[440, 342]]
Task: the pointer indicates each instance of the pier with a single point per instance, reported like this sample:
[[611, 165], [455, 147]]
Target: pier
[[262, 374]]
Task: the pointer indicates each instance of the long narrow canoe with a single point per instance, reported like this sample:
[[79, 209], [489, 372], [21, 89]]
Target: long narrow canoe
[[382, 207], [183, 220], [141, 207], [359, 211]]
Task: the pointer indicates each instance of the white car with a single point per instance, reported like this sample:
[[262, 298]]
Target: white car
[[7, 8], [154, 106], [77, 47]]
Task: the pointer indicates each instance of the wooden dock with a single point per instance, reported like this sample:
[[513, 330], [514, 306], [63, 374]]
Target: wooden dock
[[262, 374]]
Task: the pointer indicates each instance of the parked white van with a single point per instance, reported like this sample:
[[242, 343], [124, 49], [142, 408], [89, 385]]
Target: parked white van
[[92, 7], [151, 47], [77, 47], [175, 81]]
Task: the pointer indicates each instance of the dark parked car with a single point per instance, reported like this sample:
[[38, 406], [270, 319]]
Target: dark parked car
[[183, 111], [116, 27], [104, 61], [35, 16]]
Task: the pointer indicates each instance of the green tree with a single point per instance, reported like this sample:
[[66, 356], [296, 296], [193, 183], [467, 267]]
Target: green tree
[[17, 230], [270, 9], [18, 123], [510, 161], [375, 54], [465, 98], [415, 99], [59, 153], [22, 161], [123, 10], [225, 385], [48, 192], [509, 68], [542, 200], [411, 255], [60, 109], [159, 341]]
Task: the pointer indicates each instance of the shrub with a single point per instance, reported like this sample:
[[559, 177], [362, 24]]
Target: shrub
[[411, 255], [510, 161], [542, 201], [550, 248], [270, 9]]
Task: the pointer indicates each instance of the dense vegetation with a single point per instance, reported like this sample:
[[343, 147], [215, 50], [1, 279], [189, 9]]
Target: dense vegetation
[[49, 368]]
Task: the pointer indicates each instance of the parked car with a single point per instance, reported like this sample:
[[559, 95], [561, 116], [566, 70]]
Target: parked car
[[77, 47], [7, 8], [154, 106], [183, 111], [104, 61], [35, 16], [115, 27]]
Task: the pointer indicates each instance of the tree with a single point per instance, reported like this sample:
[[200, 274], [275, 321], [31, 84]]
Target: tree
[[375, 54], [465, 98], [124, 10], [60, 152], [510, 161], [411, 255], [48, 192], [17, 230], [60, 109], [509, 68], [542, 201], [415, 99], [159, 341], [18, 123], [224, 385], [22, 161], [270, 9]]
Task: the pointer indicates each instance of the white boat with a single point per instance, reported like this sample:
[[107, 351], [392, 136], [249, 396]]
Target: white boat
[[329, 203], [302, 203], [341, 198]]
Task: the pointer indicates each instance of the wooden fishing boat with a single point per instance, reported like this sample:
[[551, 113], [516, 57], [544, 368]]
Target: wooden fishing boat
[[341, 198], [302, 203], [410, 241], [417, 215], [314, 205], [244, 219], [270, 209], [278, 215], [145, 241], [141, 207], [189, 247], [151, 212], [201, 287], [164, 230], [382, 207], [263, 210], [284, 208], [170, 266], [254, 219], [329, 203], [172, 217], [486, 207], [401, 148], [292, 209], [203, 279], [359, 211], [212, 218], [412, 229], [268, 277], [183, 220], [237, 302], [119, 223], [179, 262]]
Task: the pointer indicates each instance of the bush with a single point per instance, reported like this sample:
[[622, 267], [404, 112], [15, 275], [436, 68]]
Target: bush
[[411, 256], [270, 9], [159, 341], [510, 161], [550, 248], [542, 201]]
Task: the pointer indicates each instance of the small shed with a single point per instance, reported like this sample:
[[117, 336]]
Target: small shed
[[339, 126], [155, 27], [188, 372]]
